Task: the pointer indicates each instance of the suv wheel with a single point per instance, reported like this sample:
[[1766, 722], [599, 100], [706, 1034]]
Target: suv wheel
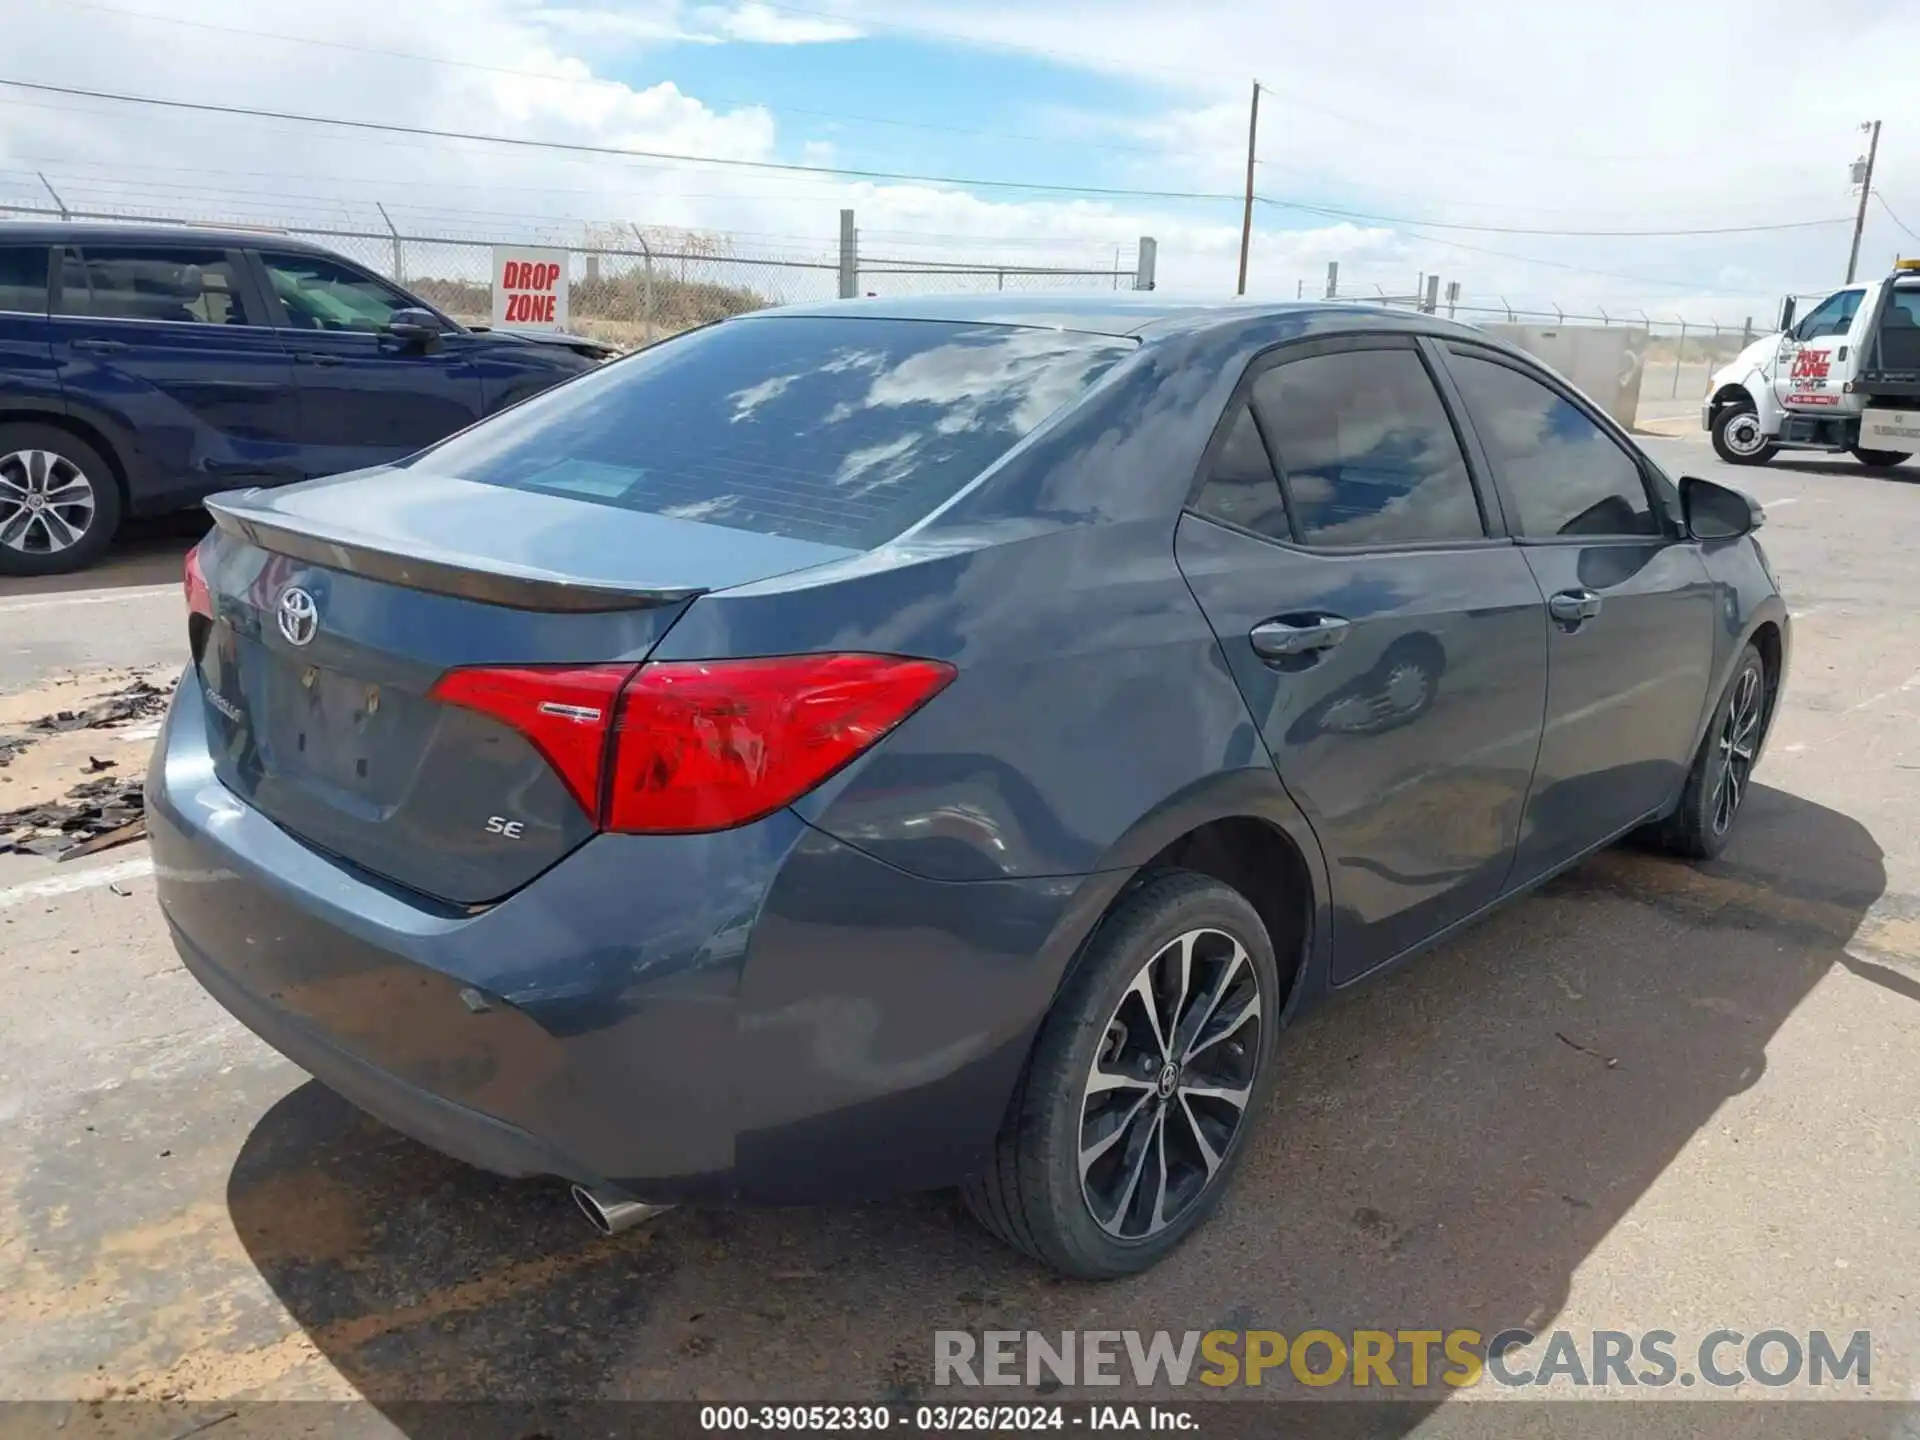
[[59, 502], [1142, 1085]]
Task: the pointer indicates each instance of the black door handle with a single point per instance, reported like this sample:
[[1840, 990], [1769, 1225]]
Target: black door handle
[[1278, 639], [1574, 607], [101, 347], [316, 357]]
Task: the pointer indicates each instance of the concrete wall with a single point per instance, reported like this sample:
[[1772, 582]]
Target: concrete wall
[[1603, 361]]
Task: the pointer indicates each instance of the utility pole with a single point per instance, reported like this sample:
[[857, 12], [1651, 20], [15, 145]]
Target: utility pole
[[1866, 189], [1246, 216]]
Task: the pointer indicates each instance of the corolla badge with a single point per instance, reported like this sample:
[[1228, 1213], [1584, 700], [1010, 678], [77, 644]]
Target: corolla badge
[[299, 616]]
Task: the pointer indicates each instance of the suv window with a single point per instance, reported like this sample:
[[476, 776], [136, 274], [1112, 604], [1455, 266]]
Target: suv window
[[320, 294], [1563, 473], [1832, 316], [834, 429], [1241, 488], [23, 279], [186, 287], [1366, 451]]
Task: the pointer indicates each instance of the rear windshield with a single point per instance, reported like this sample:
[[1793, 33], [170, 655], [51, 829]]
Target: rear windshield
[[843, 431]]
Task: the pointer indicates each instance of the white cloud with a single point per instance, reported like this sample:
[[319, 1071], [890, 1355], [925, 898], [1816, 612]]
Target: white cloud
[[760, 25], [1513, 113]]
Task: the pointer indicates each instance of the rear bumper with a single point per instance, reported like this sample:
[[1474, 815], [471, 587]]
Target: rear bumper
[[764, 1015]]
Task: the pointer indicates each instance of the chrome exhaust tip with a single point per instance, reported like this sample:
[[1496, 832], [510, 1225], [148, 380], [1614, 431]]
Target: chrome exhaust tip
[[610, 1212]]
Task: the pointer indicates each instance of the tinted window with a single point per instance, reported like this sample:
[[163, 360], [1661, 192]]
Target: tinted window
[[1366, 449], [1564, 473], [321, 295], [844, 431], [1833, 316], [23, 278], [1241, 488], [189, 287]]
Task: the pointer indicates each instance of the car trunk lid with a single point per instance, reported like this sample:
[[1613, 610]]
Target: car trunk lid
[[337, 607]]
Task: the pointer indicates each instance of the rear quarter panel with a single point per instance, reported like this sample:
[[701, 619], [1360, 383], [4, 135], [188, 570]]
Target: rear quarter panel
[[29, 380]]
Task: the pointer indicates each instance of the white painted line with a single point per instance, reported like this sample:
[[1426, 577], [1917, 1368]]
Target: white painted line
[[88, 597], [1776, 504], [1910, 683], [81, 880]]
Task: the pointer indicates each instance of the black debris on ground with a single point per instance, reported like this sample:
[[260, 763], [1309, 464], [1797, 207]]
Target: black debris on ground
[[12, 745], [138, 700], [91, 809]]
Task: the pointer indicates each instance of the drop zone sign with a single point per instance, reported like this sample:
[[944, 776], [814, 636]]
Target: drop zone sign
[[529, 288]]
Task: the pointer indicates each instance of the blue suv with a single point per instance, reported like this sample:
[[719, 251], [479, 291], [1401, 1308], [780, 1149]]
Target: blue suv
[[142, 369]]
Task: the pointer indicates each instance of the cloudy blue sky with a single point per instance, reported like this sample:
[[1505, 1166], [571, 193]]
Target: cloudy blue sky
[[1446, 133]]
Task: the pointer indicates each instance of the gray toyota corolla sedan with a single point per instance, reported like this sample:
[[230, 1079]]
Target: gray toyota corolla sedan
[[887, 745]]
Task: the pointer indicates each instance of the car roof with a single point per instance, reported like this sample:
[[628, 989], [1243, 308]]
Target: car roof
[[69, 232], [1120, 315]]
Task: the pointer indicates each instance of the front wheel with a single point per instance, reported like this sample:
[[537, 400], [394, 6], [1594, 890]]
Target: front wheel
[[1136, 1102], [1738, 438], [1717, 784], [1879, 459]]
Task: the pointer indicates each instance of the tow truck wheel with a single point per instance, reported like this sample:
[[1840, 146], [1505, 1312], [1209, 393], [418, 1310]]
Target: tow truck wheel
[[1738, 438], [1878, 459]]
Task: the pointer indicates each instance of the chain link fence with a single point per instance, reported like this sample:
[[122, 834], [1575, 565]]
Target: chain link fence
[[629, 285]]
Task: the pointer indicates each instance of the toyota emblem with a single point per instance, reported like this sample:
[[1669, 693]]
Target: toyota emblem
[[299, 616]]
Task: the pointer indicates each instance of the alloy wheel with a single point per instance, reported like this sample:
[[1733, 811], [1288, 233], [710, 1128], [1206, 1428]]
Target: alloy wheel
[[47, 502], [1169, 1086], [1739, 742]]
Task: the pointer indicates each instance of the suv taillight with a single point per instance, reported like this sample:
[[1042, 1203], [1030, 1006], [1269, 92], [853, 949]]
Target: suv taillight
[[699, 744]]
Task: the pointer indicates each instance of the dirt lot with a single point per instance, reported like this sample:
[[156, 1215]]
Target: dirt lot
[[1651, 1096]]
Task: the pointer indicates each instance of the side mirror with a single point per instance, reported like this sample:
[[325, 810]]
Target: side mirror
[[1786, 313], [1718, 512], [416, 326]]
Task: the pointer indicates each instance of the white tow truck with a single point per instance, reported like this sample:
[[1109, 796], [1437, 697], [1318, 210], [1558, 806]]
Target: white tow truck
[[1845, 378]]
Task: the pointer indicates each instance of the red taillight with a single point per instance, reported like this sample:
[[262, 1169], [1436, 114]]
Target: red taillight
[[564, 710], [199, 598], [709, 744], [700, 744]]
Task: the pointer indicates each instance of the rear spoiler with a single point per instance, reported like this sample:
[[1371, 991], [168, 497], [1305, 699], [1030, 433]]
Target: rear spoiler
[[436, 572]]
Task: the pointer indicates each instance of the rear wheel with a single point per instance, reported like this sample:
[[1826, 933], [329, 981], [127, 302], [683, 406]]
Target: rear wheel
[[1879, 459], [1722, 770], [1738, 438], [1136, 1102], [59, 502]]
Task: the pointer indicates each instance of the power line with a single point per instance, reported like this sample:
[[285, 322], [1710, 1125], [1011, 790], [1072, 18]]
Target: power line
[[416, 57], [1893, 217], [518, 142], [1361, 215]]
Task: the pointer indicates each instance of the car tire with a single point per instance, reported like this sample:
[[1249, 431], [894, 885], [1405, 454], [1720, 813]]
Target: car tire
[[1734, 430], [1141, 1113], [1701, 825], [38, 460], [1879, 459]]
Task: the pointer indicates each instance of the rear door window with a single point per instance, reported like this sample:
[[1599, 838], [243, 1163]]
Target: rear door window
[[23, 279], [1366, 451], [839, 430], [185, 286], [1241, 488]]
